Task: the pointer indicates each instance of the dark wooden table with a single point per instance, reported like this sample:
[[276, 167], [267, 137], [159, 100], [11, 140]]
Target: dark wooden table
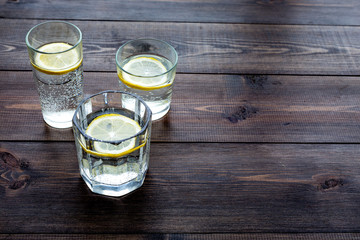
[[261, 142]]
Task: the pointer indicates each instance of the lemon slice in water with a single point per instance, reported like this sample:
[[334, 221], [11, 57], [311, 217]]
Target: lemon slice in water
[[112, 127], [145, 73], [55, 61]]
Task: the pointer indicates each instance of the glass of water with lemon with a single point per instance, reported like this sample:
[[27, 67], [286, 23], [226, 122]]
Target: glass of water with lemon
[[147, 67], [112, 139], [55, 51]]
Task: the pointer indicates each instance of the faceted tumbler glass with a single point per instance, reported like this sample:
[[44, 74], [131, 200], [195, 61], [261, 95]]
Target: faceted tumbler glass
[[117, 166]]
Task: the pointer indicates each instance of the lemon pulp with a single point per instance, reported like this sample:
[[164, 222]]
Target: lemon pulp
[[56, 61], [144, 72], [113, 127]]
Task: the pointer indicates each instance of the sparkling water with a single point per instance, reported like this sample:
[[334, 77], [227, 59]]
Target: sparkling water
[[158, 100], [59, 95]]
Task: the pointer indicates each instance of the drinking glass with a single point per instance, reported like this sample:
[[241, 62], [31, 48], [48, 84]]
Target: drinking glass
[[147, 67], [113, 142], [55, 52]]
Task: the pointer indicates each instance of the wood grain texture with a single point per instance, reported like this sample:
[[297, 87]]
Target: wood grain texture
[[330, 12], [208, 48], [190, 188], [212, 236], [212, 108]]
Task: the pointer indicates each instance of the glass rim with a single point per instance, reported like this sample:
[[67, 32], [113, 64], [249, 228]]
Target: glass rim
[[151, 39], [53, 21], [83, 132]]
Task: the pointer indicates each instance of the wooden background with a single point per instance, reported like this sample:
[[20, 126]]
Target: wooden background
[[261, 142]]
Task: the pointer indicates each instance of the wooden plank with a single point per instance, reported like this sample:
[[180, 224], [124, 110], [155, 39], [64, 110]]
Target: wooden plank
[[330, 12], [212, 108], [212, 236], [209, 48], [190, 188]]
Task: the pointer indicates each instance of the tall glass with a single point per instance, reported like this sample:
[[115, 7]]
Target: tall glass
[[55, 51], [147, 67], [113, 142]]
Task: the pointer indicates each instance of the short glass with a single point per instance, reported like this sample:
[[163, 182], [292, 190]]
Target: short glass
[[147, 67], [55, 52], [112, 142]]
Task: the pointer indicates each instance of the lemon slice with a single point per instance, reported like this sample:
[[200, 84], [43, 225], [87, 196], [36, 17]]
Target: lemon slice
[[145, 73], [55, 62], [112, 127]]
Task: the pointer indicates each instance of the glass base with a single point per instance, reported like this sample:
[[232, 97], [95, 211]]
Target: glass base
[[113, 189], [59, 119], [159, 115]]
